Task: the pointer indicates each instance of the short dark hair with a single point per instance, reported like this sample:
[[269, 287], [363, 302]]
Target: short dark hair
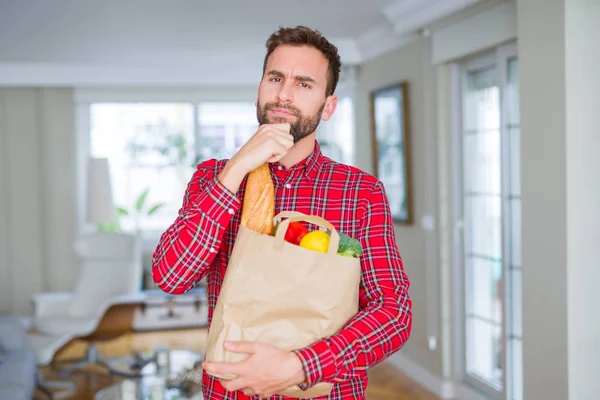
[[304, 36]]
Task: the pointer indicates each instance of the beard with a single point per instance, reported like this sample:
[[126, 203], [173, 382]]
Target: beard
[[301, 128]]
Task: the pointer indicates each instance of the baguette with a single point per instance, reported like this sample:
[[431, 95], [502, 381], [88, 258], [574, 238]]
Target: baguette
[[258, 209]]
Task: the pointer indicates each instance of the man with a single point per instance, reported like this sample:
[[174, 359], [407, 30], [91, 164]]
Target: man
[[300, 74]]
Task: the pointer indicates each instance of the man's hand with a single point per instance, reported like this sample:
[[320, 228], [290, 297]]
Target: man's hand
[[265, 372], [270, 143]]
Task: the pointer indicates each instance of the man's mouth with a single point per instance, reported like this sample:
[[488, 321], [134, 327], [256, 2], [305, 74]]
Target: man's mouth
[[282, 112]]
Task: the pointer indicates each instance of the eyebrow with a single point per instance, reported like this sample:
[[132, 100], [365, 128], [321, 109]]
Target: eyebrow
[[301, 78]]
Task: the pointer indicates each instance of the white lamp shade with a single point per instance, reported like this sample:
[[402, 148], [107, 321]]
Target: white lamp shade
[[100, 205]]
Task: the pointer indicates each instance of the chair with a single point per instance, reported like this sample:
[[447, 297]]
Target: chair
[[107, 290]]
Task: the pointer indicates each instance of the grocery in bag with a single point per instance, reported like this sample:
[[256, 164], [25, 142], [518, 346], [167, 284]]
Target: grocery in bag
[[281, 293]]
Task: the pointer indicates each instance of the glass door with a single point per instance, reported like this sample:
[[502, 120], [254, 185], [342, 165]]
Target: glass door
[[490, 220]]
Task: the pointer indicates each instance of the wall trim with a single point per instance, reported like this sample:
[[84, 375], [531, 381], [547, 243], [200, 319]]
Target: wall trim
[[444, 389], [464, 392], [431, 382]]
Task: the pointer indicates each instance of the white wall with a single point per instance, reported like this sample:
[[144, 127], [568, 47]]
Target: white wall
[[583, 188], [37, 197], [411, 64], [490, 27], [559, 56]]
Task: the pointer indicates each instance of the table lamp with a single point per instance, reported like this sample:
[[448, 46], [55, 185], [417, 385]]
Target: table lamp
[[100, 204]]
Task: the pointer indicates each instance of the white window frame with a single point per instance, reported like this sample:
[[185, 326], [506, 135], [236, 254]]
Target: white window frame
[[498, 58]]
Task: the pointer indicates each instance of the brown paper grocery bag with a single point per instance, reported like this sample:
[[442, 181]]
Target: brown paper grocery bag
[[280, 293]]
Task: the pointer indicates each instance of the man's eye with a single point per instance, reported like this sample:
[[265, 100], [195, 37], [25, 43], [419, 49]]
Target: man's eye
[[305, 85], [275, 79]]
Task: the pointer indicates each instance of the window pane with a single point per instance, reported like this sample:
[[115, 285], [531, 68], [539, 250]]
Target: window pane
[[484, 351], [512, 93], [483, 226], [336, 136], [483, 288], [149, 147], [224, 128], [482, 101], [482, 162]]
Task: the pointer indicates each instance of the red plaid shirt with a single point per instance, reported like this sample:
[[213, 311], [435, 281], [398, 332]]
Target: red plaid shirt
[[201, 239]]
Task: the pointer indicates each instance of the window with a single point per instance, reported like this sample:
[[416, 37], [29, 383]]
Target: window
[[490, 216], [153, 148], [336, 136], [150, 150], [223, 128], [483, 225]]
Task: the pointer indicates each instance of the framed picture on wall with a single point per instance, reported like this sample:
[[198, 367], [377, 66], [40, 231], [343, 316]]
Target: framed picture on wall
[[390, 132]]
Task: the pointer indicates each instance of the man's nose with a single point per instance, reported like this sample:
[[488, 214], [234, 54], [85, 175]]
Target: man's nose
[[285, 94]]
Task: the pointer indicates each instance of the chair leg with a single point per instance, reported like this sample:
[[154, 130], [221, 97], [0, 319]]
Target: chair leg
[[74, 367], [45, 390], [44, 386], [92, 356]]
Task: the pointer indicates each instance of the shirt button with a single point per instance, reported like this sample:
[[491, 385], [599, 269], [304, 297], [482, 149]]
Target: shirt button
[[230, 211], [287, 185], [211, 250], [280, 167]]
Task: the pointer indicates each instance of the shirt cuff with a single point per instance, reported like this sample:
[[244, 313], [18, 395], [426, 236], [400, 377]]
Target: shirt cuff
[[318, 362], [220, 203]]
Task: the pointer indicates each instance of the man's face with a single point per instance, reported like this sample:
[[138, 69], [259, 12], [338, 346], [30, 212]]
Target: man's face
[[293, 90]]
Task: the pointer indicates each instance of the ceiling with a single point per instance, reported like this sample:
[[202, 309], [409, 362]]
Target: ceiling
[[189, 41]]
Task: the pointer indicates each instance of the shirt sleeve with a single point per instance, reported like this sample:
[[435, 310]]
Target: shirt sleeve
[[384, 321], [189, 245]]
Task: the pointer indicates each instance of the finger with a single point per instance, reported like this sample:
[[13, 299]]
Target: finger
[[280, 128], [284, 127], [222, 368], [240, 346], [235, 384], [278, 154], [283, 138], [276, 158], [277, 129]]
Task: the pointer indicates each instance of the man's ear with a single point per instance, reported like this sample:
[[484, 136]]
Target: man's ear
[[330, 106]]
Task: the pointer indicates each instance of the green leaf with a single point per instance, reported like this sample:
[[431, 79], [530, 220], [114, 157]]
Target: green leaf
[[122, 212], [139, 204], [154, 209], [197, 160], [109, 227]]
